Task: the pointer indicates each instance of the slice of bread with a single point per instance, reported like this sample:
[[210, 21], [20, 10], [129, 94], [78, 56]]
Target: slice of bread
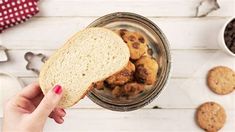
[[89, 56]]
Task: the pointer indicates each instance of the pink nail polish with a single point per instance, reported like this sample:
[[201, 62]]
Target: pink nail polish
[[57, 89], [63, 110]]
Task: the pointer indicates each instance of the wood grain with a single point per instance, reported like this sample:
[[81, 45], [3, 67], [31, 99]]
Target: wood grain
[[167, 120], [163, 120], [52, 32], [159, 8], [185, 63], [194, 51], [178, 94]]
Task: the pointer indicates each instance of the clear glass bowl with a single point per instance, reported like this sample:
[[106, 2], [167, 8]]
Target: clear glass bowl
[[160, 47]]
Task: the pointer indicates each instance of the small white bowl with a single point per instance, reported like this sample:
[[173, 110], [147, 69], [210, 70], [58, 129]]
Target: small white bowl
[[221, 40]]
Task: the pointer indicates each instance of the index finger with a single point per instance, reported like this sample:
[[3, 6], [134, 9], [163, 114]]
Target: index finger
[[31, 91]]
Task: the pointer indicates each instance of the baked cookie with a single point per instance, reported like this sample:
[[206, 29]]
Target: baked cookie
[[121, 32], [133, 88], [210, 116], [133, 37], [221, 80], [136, 42], [146, 70], [136, 49], [117, 91], [123, 76], [99, 85], [129, 89]]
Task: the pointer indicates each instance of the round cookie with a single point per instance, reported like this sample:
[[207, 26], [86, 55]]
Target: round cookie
[[136, 43], [210, 116], [221, 80]]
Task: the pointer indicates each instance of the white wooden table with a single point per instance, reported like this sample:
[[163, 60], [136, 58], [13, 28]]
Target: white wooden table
[[194, 50]]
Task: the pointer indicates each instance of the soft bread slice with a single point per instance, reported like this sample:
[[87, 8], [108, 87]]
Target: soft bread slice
[[89, 56]]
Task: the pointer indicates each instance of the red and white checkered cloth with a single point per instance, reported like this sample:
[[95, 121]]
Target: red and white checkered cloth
[[13, 12]]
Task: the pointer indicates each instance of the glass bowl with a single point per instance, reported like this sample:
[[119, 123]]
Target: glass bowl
[[161, 52]]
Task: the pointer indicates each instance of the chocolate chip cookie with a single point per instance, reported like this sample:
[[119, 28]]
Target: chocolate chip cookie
[[210, 116], [221, 80]]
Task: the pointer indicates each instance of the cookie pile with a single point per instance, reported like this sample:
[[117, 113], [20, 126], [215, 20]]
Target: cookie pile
[[211, 116], [140, 71]]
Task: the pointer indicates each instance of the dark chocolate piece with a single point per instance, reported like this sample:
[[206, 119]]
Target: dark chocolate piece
[[229, 36]]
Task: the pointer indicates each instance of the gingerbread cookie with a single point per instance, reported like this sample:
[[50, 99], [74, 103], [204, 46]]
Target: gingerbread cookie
[[210, 116], [221, 80]]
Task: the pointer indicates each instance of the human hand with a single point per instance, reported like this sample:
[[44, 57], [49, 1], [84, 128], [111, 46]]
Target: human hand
[[29, 109]]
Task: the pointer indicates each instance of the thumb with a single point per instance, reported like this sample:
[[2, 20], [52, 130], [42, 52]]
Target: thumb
[[48, 103]]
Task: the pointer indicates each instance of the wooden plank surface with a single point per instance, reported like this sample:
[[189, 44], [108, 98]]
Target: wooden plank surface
[[194, 51], [178, 94], [185, 63], [52, 32], [185, 8], [142, 120], [163, 120]]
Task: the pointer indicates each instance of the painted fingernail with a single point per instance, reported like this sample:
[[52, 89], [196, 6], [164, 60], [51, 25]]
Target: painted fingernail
[[61, 120], [57, 89], [63, 111]]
